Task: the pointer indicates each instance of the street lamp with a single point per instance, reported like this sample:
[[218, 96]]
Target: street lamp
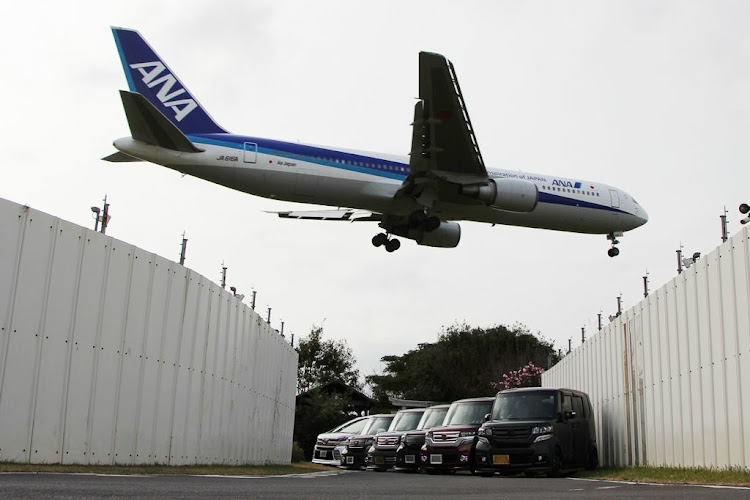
[[96, 211]]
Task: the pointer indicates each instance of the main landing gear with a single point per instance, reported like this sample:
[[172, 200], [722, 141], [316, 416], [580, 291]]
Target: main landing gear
[[614, 251], [391, 244]]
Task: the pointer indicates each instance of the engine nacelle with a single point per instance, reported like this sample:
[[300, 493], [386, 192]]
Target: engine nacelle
[[513, 195], [447, 235]]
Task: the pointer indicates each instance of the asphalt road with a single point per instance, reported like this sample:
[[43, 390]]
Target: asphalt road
[[340, 484]]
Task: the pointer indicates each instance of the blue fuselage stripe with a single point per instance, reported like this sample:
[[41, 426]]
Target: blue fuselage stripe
[[355, 163]]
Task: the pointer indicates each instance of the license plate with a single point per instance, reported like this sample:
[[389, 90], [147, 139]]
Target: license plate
[[436, 459], [410, 459], [500, 459], [379, 461], [323, 453], [349, 460]]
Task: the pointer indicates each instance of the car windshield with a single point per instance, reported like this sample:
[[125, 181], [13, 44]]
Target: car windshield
[[377, 424], [405, 421], [467, 413], [432, 418], [524, 406], [353, 426]]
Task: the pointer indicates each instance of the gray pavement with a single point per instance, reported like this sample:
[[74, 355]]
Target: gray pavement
[[340, 484]]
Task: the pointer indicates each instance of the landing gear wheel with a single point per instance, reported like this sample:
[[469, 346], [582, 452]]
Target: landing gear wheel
[[392, 245], [379, 239], [614, 251]]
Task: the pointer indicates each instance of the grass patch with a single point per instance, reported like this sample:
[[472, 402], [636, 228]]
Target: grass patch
[[732, 476], [222, 470]]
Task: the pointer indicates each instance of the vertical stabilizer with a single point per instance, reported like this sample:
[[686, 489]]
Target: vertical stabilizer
[[149, 76]]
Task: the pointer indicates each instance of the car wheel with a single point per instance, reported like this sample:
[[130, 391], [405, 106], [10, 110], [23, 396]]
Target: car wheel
[[486, 474], [592, 461], [556, 465]]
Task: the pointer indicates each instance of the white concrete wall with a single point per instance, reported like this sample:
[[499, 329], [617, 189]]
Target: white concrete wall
[[113, 355], [670, 378]]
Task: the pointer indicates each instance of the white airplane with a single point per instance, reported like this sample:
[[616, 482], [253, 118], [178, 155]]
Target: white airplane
[[419, 197]]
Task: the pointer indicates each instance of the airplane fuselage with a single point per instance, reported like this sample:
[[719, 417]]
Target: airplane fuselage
[[345, 178]]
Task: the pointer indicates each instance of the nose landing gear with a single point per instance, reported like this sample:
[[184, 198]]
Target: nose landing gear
[[614, 251], [391, 244]]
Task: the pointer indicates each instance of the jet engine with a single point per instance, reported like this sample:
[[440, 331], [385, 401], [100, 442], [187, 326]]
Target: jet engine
[[446, 235], [513, 195]]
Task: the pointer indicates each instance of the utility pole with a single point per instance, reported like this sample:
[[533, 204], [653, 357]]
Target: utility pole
[[105, 215], [253, 304], [599, 317], [570, 344], [724, 226], [282, 329], [223, 275], [183, 249], [583, 334], [679, 260], [619, 305], [645, 285], [268, 319]]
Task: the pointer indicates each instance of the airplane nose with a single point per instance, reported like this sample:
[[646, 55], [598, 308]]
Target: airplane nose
[[640, 216]]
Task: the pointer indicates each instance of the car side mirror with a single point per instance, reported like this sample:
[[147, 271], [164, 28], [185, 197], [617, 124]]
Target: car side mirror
[[486, 417], [569, 414]]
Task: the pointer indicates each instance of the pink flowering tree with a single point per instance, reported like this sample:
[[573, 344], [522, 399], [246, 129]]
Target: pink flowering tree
[[526, 376]]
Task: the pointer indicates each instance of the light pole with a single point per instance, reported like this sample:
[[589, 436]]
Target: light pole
[[96, 211], [183, 249]]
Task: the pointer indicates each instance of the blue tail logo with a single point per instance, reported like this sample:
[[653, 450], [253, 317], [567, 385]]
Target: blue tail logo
[[149, 76], [150, 71]]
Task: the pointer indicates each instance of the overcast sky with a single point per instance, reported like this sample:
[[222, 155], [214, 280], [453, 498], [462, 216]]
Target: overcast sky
[[652, 97]]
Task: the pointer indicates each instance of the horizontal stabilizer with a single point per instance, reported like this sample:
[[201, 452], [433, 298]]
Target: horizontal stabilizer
[[347, 214], [149, 126], [120, 157]]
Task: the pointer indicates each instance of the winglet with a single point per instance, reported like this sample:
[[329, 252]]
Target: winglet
[[149, 76]]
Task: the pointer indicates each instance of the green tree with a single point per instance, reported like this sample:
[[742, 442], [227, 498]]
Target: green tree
[[462, 363], [322, 361], [315, 413]]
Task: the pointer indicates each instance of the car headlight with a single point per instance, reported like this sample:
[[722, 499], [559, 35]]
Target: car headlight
[[482, 431], [542, 429], [543, 437], [468, 433]]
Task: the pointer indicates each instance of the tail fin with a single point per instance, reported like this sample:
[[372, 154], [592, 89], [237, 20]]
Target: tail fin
[[149, 76]]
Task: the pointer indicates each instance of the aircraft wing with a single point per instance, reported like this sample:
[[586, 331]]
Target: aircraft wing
[[443, 140], [342, 214]]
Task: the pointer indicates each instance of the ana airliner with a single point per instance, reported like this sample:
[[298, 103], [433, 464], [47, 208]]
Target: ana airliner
[[419, 197]]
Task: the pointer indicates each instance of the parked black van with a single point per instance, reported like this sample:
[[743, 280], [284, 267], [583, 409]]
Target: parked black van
[[535, 430]]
